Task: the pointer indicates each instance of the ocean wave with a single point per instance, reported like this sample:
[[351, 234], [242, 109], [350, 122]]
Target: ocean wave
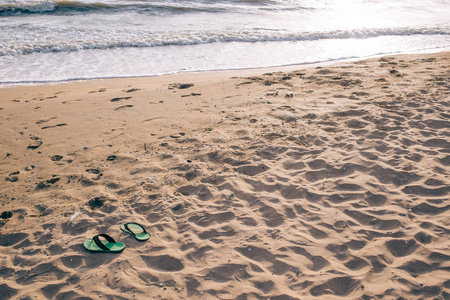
[[67, 40], [71, 7], [9, 8], [67, 7]]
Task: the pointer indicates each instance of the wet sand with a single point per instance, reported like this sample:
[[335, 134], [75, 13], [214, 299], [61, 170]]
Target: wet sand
[[328, 182]]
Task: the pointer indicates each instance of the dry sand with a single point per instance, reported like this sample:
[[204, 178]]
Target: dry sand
[[340, 176]]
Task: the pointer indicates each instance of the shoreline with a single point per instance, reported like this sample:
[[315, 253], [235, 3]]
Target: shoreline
[[244, 71], [339, 176], [221, 72]]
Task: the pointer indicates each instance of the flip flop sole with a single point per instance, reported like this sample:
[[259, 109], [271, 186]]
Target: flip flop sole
[[143, 236], [90, 245]]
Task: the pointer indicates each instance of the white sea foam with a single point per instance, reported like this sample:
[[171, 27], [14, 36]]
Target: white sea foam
[[42, 40]]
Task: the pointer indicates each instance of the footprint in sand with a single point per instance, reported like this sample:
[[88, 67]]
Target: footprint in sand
[[6, 215], [264, 286], [35, 142], [177, 136], [423, 238], [163, 263], [13, 177], [400, 248], [119, 99], [417, 267], [191, 94], [205, 220], [57, 125], [132, 90], [340, 286], [202, 191], [47, 183], [45, 121], [56, 157], [180, 86], [73, 261], [96, 175], [177, 207], [98, 91], [123, 106], [356, 264], [427, 209], [227, 272], [7, 240], [97, 202]]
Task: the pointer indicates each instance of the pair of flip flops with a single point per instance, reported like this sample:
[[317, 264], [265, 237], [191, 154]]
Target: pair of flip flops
[[108, 244]]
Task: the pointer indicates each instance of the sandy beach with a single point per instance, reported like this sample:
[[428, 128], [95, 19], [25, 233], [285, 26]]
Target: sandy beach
[[326, 182]]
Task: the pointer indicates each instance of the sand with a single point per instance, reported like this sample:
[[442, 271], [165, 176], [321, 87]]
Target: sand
[[327, 182]]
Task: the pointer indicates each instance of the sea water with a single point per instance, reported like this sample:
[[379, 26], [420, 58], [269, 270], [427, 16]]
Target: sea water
[[53, 40]]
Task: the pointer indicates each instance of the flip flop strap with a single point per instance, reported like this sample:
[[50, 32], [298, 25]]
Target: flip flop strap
[[100, 244], [131, 231]]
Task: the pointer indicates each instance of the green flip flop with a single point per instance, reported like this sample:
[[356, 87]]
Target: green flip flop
[[136, 230], [99, 245]]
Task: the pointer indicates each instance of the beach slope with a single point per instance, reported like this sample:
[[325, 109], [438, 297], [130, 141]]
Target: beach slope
[[328, 182]]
